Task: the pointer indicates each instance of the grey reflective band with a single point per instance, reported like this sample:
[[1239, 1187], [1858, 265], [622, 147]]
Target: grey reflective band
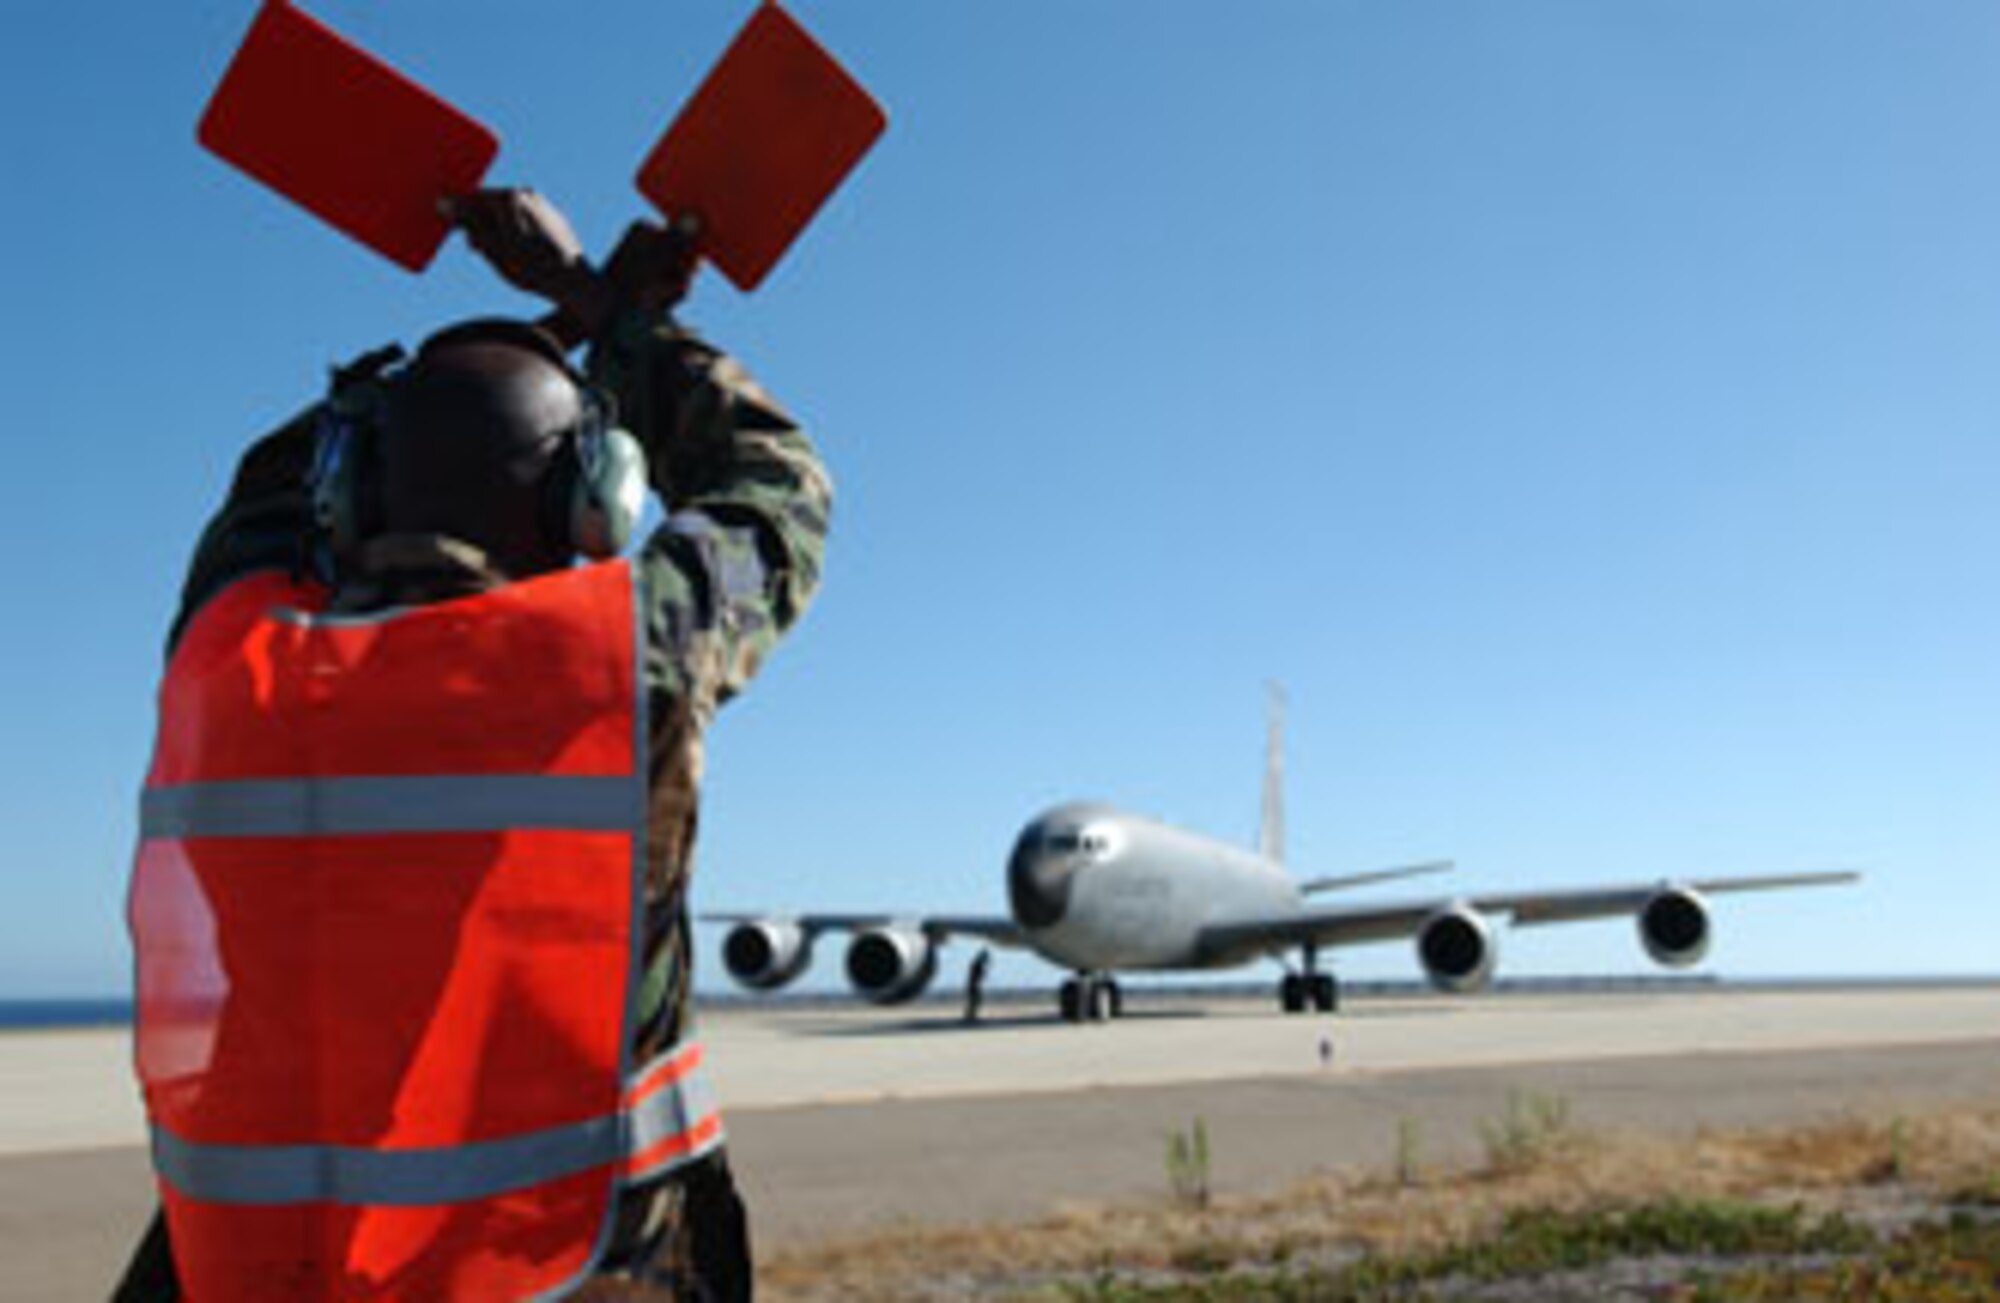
[[285, 1174], [445, 1174], [309, 807]]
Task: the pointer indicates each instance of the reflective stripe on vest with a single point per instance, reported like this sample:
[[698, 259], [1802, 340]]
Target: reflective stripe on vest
[[334, 807], [669, 1119], [386, 911]]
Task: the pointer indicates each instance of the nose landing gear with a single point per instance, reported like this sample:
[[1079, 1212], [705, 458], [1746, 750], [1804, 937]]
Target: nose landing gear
[[1090, 997]]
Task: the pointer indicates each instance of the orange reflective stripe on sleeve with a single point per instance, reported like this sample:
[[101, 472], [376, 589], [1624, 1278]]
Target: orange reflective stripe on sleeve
[[674, 1115]]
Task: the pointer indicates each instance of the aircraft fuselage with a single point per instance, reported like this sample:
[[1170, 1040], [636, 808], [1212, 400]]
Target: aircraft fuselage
[[1096, 889]]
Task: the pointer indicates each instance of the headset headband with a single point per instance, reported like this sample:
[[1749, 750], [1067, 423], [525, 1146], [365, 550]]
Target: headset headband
[[607, 476]]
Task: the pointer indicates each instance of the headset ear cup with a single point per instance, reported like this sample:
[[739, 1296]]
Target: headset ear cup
[[609, 493]]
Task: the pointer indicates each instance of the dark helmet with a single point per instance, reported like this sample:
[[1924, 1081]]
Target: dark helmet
[[476, 443]]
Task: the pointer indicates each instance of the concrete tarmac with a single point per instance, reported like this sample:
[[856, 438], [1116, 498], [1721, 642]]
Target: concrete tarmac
[[843, 1119]]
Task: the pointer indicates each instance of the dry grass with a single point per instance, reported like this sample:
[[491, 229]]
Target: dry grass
[[1883, 1169]]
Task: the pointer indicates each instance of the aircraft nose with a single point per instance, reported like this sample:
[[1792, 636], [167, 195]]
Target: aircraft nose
[[1038, 883]]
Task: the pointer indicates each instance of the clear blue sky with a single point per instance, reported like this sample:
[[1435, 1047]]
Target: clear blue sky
[[1587, 410]]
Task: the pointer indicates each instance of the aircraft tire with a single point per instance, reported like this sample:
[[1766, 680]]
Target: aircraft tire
[[1292, 993], [1096, 999], [1325, 991], [1069, 1000], [1115, 998]]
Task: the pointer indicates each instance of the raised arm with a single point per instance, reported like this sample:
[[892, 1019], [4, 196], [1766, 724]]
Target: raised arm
[[748, 501], [746, 497]]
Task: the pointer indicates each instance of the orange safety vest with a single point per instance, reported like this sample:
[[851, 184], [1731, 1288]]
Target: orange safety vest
[[386, 910]]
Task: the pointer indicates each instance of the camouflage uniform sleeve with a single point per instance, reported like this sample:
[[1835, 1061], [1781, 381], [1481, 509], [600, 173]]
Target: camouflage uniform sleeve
[[261, 525], [747, 499], [731, 569]]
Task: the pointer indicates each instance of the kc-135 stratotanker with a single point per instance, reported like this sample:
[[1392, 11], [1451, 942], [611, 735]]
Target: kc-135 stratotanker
[[1100, 891]]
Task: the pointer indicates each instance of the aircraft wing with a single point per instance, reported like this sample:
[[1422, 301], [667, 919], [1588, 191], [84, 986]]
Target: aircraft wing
[[999, 931], [1526, 908], [1345, 925], [1313, 886]]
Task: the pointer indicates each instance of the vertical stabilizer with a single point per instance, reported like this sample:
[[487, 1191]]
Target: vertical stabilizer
[[1271, 824]]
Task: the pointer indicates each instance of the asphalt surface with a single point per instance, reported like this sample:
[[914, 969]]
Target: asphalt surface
[[845, 1120]]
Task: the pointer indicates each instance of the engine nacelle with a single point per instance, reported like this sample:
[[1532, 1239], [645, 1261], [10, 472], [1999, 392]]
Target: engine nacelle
[[889, 965], [767, 953], [1674, 927], [1457, 949]]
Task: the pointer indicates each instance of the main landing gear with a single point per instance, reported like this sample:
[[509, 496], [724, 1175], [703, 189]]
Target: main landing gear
[[1090, 997], [1309, 989], [1300, 991]]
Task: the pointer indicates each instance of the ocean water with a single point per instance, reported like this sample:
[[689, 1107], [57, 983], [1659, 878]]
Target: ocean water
[[29, 1015]]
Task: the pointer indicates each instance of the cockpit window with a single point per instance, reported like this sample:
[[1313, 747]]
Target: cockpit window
[[1088, 841]]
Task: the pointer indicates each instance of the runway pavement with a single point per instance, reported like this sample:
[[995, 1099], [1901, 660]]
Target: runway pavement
[[844, 1118]]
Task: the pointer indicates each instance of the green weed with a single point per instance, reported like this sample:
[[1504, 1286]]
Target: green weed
[[1894, 1164], [1187, 1166], [1531, 1128], [1409, 1151]]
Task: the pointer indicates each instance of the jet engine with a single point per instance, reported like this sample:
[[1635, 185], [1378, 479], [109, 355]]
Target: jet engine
[[1674, 927], [1457, 949], [890, 965], [767, 953]]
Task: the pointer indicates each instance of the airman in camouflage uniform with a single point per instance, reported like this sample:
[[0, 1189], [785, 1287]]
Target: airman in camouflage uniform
[[732, 567]]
